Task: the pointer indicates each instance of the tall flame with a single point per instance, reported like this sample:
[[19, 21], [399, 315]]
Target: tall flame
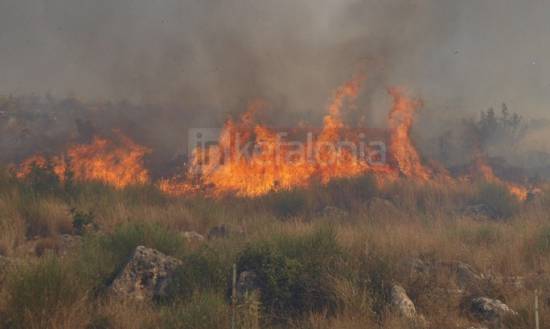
[[401, 119], [251, 159], [275, 164]]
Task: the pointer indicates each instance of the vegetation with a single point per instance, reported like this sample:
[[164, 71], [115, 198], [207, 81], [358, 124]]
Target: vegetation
[[314, 268]]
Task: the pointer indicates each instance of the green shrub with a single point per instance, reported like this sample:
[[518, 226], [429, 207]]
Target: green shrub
[[375, 277], [144, 195], [286, 203], [347, 192], [295, 273], [203, 311], [127, 237], [82, 221], [542, 241], [102, 256], [43, 179], [43, 295], [498, 198], [201, 272]]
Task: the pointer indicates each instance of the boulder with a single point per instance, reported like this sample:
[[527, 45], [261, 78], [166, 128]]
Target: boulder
[[145, 276], [461, 275], [402, 304], [60, 245], [193, 237], [489, 310], [464, 275]]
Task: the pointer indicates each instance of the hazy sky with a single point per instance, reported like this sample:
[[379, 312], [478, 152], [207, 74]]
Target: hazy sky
[[457, 55]]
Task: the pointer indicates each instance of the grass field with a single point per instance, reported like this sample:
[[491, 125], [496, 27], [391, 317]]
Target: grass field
[[327, 256]]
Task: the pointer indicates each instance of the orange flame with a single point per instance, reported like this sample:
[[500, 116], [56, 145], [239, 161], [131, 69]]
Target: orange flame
[[401, 119], [118, 164], [486, 172], [251, 159], [275, 165]]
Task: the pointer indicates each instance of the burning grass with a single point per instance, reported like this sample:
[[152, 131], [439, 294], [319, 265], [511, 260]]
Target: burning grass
[[271, 164]]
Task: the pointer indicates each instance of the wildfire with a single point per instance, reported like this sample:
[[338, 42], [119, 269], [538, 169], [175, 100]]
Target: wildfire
[[251, 159], [276, 165], [118, 164]]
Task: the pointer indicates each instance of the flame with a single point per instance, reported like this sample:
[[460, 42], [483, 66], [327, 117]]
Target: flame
[[483, 169], [118, 164], [275, 165], [39, 161], [401, 119], [252, 159]]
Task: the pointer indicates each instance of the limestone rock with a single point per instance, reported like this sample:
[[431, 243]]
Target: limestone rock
[[489, 310], [193, 237], [146, 275], [402, 304]]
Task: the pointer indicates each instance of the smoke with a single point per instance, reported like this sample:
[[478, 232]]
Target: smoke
[[216, 53], [204, 59]]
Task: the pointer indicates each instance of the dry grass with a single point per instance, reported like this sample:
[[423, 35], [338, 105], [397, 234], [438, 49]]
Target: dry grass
[[416, 221]]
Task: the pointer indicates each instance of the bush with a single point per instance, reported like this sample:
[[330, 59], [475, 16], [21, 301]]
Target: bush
[[203, 311], [42, 179], [286, 203], [127, 237], [295, 273], [101, 257], [45, 295], [542, 241], [44, 216], [498, 198], [83, 221], [348, 192], [202, 271]]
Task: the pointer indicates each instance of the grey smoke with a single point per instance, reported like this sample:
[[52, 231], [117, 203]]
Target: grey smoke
[[211, 57], [462, 54]]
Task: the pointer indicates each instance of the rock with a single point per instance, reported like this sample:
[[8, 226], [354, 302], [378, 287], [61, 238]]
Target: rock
[[60, 245], [146, 275], [465, 276], [480, 211], [402, 304], [489, 310], [247, 284], [224, 231], [462, 275], [193, 237]]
